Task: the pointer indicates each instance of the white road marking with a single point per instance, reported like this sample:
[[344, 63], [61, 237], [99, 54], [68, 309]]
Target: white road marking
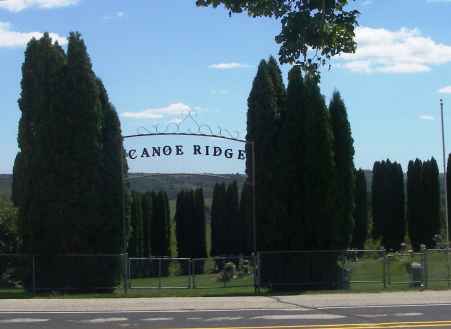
[[298, 309], [372, 315], [224, 318], [194, 318], [103, 320], [158, 319], [409, 314], [300, 317], [379, 306], [23, 320]]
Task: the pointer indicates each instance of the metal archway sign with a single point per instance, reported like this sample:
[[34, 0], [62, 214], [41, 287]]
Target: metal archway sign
[[203, 131]]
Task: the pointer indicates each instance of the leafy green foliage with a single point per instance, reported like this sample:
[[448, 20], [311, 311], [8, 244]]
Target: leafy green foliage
[[312, 30], [9, 228]]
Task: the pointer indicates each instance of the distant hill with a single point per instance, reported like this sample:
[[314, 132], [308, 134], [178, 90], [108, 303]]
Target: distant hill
[[171, 183], [6, 181]]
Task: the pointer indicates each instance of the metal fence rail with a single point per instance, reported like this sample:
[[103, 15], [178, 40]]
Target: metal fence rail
[[354, 270]]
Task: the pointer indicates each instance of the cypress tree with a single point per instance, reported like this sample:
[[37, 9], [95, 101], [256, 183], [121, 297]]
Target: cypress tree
[[290, 193], [84, 115], [200, 241], [233, 227], [377, 200], [414, 201], [219, 221], [319, 171], [262, 106], [388, 204], [448, 182], [109, 230], [147, 222], [396, 231], [160, 234], [431, 209], [360, 233], [35, 174], [344, 162], [246, 220], [277, 82], [214, 220], [136, 244], [68, 186]]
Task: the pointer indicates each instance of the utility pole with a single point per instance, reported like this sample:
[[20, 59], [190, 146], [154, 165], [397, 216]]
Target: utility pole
[[444, 174]]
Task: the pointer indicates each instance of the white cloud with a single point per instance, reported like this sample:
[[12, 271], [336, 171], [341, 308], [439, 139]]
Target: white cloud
[[445, 90], [426, 117], [19, 5], [228, 66], [395, 52], [117, 15], [219, 92], [172, 112], [13, 39]]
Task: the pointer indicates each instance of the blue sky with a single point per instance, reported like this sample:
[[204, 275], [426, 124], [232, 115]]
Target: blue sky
[[160, 59]]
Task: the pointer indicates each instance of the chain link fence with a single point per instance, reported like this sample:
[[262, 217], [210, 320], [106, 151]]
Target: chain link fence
[[354, 270], [191, 273], [62, 273]]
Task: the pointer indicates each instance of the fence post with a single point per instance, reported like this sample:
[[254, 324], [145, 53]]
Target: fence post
[[125, 272], [425, 268], [257, 272], [193, 272], [384, 271], [33, 276], [190, 274], [447, 259], [159, 273]]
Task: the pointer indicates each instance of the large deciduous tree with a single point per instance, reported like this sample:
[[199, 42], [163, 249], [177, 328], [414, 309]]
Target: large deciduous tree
[[312, 30]]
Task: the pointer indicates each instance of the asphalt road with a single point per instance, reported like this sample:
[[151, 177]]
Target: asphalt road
[[328, 317]]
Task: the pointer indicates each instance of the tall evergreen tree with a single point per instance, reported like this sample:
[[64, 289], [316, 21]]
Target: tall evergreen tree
[[319, 171], [291, 155], [110, 230], [448, 182], [344, 162], [377, 194], [360, 232], [218, 220], [200, 241], [246, 231], [431, 203], [414, 201], [388, 204], [279, 87], [136, 244], [160, 234], [232, 228], [147, 204], [262, 106], [34, 182]]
